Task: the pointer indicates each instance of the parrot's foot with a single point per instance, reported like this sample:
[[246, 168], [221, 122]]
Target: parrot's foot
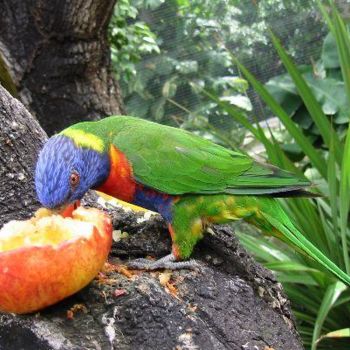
[[167, 262]]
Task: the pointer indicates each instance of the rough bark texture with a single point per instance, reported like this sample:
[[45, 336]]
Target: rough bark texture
[[231, 303], [58, 56], [21, 138]]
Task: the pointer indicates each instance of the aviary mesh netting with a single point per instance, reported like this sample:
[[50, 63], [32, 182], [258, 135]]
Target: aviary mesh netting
[[185, 49]]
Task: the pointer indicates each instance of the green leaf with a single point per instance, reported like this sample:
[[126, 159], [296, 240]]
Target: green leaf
[[234, 113], [293, 151], [330, 94], [333, 185], [329, 55], [290, 266], [164, 65], [302, 118], [139, 106], [293, 129], [295, 272], [170, 87], [183, 3], [341, 35], [282, 88], [338, 29], [331, 295], [296, 278], [344, 200], [304, 297], [240, 101], [309, 99], [262, 249], [187, 67], [157, 109], [342, 117], [274, 151], [339, 333], [153, 4], [236, 83]]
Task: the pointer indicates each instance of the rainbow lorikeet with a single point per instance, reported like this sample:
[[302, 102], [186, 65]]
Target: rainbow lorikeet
[[190, 181]]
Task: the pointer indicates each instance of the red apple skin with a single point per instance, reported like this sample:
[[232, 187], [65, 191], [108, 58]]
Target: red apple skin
[[32, 278]]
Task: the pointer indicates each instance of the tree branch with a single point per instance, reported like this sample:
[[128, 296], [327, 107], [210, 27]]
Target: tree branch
[[21, 138]]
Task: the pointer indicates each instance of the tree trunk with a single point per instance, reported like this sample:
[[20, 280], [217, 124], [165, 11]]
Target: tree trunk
[[58, 56], [21, 138]]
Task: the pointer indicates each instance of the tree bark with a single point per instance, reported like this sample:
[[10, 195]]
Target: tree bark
[[21, 138], [58, 56], [231, 303]]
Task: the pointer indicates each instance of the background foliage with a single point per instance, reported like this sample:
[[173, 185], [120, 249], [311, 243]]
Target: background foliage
[[185, 63], [325, 79], [167, 52]]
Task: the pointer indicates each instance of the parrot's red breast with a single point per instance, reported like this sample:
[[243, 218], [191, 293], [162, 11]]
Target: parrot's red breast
[[120, 182]]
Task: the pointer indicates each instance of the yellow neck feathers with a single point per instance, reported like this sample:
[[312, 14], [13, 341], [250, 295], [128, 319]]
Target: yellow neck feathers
[[85, 139]]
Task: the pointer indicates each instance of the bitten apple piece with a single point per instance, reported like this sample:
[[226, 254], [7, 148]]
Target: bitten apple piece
[[47, 258]]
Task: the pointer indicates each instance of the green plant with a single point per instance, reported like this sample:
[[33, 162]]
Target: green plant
[[321, 303], [326, 82], [194, 40], [193, 84], [129, 42]]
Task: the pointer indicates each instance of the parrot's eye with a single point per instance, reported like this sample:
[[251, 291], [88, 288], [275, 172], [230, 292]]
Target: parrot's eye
[[74, 179]]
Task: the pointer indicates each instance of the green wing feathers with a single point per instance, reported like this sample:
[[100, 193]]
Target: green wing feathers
[[175, 161], [266, 179]]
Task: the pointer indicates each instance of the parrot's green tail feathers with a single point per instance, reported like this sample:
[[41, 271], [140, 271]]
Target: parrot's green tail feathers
[[278, 219]]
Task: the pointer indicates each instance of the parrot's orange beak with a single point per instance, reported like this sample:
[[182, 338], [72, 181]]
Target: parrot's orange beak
[[68, 209]]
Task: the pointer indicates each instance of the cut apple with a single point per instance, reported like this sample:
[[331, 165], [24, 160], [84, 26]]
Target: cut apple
[[47, 258]]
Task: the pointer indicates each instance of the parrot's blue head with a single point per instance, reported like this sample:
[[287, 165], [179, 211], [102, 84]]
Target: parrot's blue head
[[65, 172]]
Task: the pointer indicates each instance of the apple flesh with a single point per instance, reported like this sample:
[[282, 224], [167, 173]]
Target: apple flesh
[[47, 258]]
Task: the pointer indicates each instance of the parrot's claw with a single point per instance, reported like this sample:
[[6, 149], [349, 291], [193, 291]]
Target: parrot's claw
[[167, 262]]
